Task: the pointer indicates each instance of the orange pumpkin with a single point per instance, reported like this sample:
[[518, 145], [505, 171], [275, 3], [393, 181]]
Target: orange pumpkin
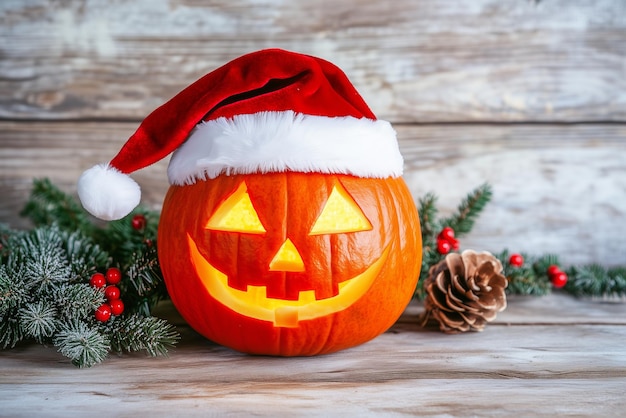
[[290, 263]]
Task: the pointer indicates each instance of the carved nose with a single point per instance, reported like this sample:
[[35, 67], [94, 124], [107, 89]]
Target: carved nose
[[287, 258]]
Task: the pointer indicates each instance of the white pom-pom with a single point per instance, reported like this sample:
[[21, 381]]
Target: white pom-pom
[[107, 193]]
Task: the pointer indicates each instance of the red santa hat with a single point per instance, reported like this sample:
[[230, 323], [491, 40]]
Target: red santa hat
[[268, 111]]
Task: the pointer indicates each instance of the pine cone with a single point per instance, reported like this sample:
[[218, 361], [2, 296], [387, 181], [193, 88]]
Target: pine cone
[[464, 292]]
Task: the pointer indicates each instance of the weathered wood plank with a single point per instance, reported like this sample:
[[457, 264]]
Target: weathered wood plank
[[435, 60], [558, 188], [535, 370], [422, 398]]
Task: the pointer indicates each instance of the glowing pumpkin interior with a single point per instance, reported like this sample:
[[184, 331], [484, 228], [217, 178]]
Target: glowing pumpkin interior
[[341, 214]]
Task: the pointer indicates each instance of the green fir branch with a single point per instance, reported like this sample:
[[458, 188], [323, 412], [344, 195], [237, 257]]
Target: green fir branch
[[530, 279], [11, 332], [38, 320], [14, 290], [84, 345], [85, 257], [596, 281], [427, 211], [49, 205], [138, 333], [45, 294], [77, 301], [462, 221]]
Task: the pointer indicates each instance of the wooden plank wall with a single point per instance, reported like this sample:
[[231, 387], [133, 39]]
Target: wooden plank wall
[[527, 95]]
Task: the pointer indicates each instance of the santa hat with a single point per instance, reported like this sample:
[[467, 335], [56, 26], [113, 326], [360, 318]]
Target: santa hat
[[268, 111]]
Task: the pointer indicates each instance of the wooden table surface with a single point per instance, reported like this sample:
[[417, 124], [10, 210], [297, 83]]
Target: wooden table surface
[[554, 355]]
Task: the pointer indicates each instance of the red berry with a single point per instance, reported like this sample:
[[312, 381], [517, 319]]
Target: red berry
[[138, 222], [443, 246], [516, 260], [114, 275], [112, 293], [552, 270], [103, 313], [454, 243], [97, 280], [447, 233], [559, 279], [117, 307]]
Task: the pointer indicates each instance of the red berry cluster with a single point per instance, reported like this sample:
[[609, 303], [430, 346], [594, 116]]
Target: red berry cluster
[[114, 305], [516, 260], [446, 241], [557, 276]]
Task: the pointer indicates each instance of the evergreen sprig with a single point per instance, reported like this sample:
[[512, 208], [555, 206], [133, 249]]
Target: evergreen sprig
[[462, 221], [598, 282], [529, 279], [49, 205], [45, 294]]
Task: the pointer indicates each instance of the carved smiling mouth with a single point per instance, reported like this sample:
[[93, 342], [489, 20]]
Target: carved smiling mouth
[[254, 302]]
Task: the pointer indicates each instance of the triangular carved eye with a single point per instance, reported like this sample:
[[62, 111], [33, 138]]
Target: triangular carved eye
[[237, 214], [340, 214]]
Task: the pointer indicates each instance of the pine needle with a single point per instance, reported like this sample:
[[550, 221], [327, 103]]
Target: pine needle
[[82, 344], [462, 221]]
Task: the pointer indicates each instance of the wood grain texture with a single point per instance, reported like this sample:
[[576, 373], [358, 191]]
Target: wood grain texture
[[533, 361], [557, 188], [425, 61]]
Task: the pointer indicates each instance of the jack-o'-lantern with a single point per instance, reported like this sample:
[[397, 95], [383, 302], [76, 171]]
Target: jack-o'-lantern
[[287, 229]]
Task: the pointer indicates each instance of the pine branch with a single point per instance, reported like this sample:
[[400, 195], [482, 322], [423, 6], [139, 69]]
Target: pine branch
[[468, 210], [85, 257], [48, 205], [597, 281], [44, 281], [44, 260], [11, 331], [14, 290], [78, 300], [136, 333], [38, 320], [85, 346], [427, 215], [529, 279]]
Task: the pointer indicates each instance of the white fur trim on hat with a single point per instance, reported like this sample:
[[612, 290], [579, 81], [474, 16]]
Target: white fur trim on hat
[[287, 141], [107, 193]]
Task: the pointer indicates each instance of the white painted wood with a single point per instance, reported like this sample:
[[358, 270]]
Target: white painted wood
[[435, 60]]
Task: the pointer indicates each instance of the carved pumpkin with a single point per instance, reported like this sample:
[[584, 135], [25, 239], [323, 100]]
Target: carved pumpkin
[[290, 263]]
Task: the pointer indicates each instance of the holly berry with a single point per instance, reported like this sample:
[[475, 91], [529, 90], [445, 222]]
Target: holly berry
[[552, 270], [97, 280], [112, 293], [559, 279], [443, 246], [447, 234], [117, 307], [138, 222], [113, 275], [446, 241], [516, 260], [103, 313]]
